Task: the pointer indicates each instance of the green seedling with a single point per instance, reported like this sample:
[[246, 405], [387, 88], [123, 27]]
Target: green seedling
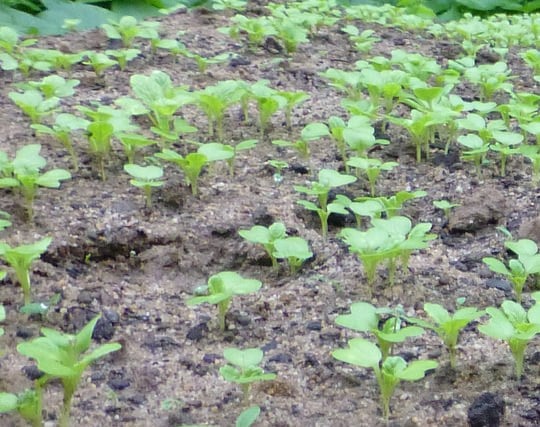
[[256, 29], [248, 416], [294, 249], [203, 62], [179, 127], [292, 100], [41, 308], [123, 56], [511, 323], [160, 96], [215, 151], [491, 78], [10, 41], [532, 59], [290, 33], [278, 165], [372, 168], [266, 236], [445, 206], [518, 270], [328, 179], [268, 103], [448, 326], [20, 258], [477, 150], [99, 140], [243, 368], [366, 318], [34, 105], [420, 127], [214, 101], [388, 240], [348, 82], [532, 152], [145, 177], [99, 62], [52, 86], [392, 205], [372, 208], [222, 287], [415, 64], [24, 172], [65, 124], [389, 374], [310, 132], [506, 147], [363, 41], [64, 356], [172, 46], [128, 29], [226, 5], [132, 142], [533, 128], [192, 165], [28, 404]]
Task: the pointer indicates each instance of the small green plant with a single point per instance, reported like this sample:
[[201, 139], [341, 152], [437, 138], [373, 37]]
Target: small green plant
[[363, 41], [328, 179], [448, 326], [372, 168], [364, 317], [24, 172], [123, 56], [99, 62], [309, 133], [256, 29], [243, 368], [511, 323], [278, 165], [222, 287], [52, 86], [64, 356], [266, 236], [268, 103], [389, 373], [294, 249], [34, 105], [216, 151], [127, 29], [192, 165], [20, 258], [292, 100], [248, 416], [65, 124], [203, 62], [518, 270], [145, 177], [289, 33], [99, 139], [491, 78], [133, 142], [28, 404], [445, 206]]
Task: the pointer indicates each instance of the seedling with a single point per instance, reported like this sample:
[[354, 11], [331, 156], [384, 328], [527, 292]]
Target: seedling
[[34, 105], [421, 129], [448, 326], [191, 165], [445, 206], [128, 29], [256, 29], [477, 150], [328, 179], [292, 100], [309, 133], [278, 165], [99, 62], [99, 140], [24, 172], [268, 103], [243, 369], [363, 41], [266, 236], [133, 142], [145, 177], [290, 33], [203, 62], [179, 127], [518, 270], [532, 152], [65, 124], [20, 258], [52, 86], [63, 356], [491, 78], [123, 56], [389, 374], [28, 403], [511, 323], [215, 151], [393, 204], [222, 287], [294, 249], [248, 416], [366, 318], [372, 168]]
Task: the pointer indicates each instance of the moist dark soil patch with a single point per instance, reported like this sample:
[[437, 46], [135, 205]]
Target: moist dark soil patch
[[137, 267]]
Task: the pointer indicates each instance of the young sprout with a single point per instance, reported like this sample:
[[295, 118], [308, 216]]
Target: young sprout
[[448, 326], [292, 100], [203, 62], [294, 249], [511, 323], [243, 368], [24, 172], [179, 127], [445, 206], [191, 165], [128, 29], [99, 140], [328, 179], [363, 41], [366, 318], [34, 105], [266, 236], [518, 270], [52, 86], [123, 56], [145, 177], [28, 403], [372, 168], [133, 142], [99, 62], [389, 373], [256, 29], [532, 152], [215, 151], [491, 78], [222, 287], [64, 356], [310, 132], [20, 258], [421, 130], [248, 416], [268, 103], [65, 124]]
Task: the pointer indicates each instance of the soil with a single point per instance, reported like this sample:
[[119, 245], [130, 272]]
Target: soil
[[137, 266]]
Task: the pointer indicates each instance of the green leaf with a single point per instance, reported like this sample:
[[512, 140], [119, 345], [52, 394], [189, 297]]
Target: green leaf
[[8, 402], [360, 352], [52, 178], [243, 358], [496, 266], [417, 370], [248, 416], [363, 317]]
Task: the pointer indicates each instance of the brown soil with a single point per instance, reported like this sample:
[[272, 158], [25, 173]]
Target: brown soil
[[137, 267]]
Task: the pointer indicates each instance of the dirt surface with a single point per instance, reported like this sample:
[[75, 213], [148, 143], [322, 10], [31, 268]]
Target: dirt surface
[[137, 266]]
